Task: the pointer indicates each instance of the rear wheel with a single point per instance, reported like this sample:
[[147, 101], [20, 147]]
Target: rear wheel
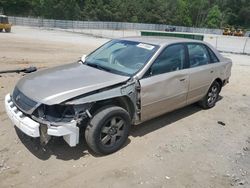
[[211, 97], [108, 130]]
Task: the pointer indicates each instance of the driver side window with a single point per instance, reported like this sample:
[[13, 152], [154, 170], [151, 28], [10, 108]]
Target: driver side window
[[171, 59]]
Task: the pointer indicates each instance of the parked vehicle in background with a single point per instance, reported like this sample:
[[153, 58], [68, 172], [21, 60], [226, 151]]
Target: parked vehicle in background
[[239, 33], [124, 82], [170, 29], [227, 31], [4, 24], [234, 32]]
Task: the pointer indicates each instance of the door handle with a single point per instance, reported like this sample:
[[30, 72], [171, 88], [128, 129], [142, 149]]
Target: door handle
[[211, 71], [182, 80]]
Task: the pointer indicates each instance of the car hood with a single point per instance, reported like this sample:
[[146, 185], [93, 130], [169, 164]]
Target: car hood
[[58, 84]]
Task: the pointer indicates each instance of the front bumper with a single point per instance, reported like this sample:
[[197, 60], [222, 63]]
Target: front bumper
[[70, 132]]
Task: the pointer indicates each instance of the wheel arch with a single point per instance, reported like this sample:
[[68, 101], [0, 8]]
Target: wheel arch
[[219, 81], [124, 102]]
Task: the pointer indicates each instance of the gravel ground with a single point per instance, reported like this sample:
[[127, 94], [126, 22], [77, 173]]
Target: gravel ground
[[187, 148]]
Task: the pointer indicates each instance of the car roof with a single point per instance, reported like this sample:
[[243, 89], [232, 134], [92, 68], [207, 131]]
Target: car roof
[[165, 41], [159, 41]]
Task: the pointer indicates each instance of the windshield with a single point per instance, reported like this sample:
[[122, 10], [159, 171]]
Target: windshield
[[4, 20], [121, 56]]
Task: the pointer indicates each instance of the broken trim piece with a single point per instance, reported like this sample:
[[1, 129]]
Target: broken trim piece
[[70, 132]]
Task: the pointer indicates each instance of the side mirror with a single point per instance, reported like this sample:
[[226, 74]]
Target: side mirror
[[83, 58]]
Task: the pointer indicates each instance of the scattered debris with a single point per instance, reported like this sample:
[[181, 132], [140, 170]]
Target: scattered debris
[[168, 178], [4, 150], [246, 149], [3, 166], [16, 141], [240, 153], [159, 156], [84, 165], [242, 182], [237, 181], [248, 140], [244, 95], [25, 70], [243, 172], [221, 123]]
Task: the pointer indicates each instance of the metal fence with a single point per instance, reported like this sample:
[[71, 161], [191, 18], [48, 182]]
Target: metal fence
[[69, 24], [120, 29]]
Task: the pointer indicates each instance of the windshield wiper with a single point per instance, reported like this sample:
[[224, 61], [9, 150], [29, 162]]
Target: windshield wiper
[[98, 67], [106, 69]]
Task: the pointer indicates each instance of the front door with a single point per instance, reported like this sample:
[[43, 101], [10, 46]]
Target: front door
[[165, 85]]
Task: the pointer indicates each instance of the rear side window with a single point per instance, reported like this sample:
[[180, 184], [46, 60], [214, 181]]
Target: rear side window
[[214, 58], [171, 59], [198, 55]]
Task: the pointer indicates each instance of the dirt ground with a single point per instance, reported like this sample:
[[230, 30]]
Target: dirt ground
[[184, 149]]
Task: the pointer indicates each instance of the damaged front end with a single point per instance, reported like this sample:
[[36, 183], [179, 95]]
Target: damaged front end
[[65, 118], [45, 121]]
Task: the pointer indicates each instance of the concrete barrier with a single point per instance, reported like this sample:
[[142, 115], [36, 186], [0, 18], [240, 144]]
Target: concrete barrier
[[106, 33], [229, 43]]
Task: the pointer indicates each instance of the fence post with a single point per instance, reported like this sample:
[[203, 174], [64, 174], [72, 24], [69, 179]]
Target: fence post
[[216, 43], [245, 46]]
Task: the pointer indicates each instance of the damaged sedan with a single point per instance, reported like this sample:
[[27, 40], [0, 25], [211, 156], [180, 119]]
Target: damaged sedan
[[124, 82]]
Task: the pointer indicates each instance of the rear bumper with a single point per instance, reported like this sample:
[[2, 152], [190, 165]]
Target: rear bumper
[[225, 82], [70, 132]]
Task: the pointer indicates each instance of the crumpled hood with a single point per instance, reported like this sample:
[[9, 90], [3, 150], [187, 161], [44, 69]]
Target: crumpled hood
[[56, 85]]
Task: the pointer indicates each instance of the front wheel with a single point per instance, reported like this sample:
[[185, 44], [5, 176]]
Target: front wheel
[[8, 30], [108, 130], [211, 97]]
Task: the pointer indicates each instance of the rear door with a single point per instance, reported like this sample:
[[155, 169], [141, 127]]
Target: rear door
[[202, 71], [165, 85]]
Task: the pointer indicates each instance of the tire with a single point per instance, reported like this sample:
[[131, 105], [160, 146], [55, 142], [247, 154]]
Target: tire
[[8, 30], [108, 130], [211, 97], [1, 30]]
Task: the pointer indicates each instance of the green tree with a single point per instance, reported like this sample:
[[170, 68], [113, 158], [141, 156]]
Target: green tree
[[16, 7], [213, 19], [181, 11], [60, 9], [244, 16], [195, 13]]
